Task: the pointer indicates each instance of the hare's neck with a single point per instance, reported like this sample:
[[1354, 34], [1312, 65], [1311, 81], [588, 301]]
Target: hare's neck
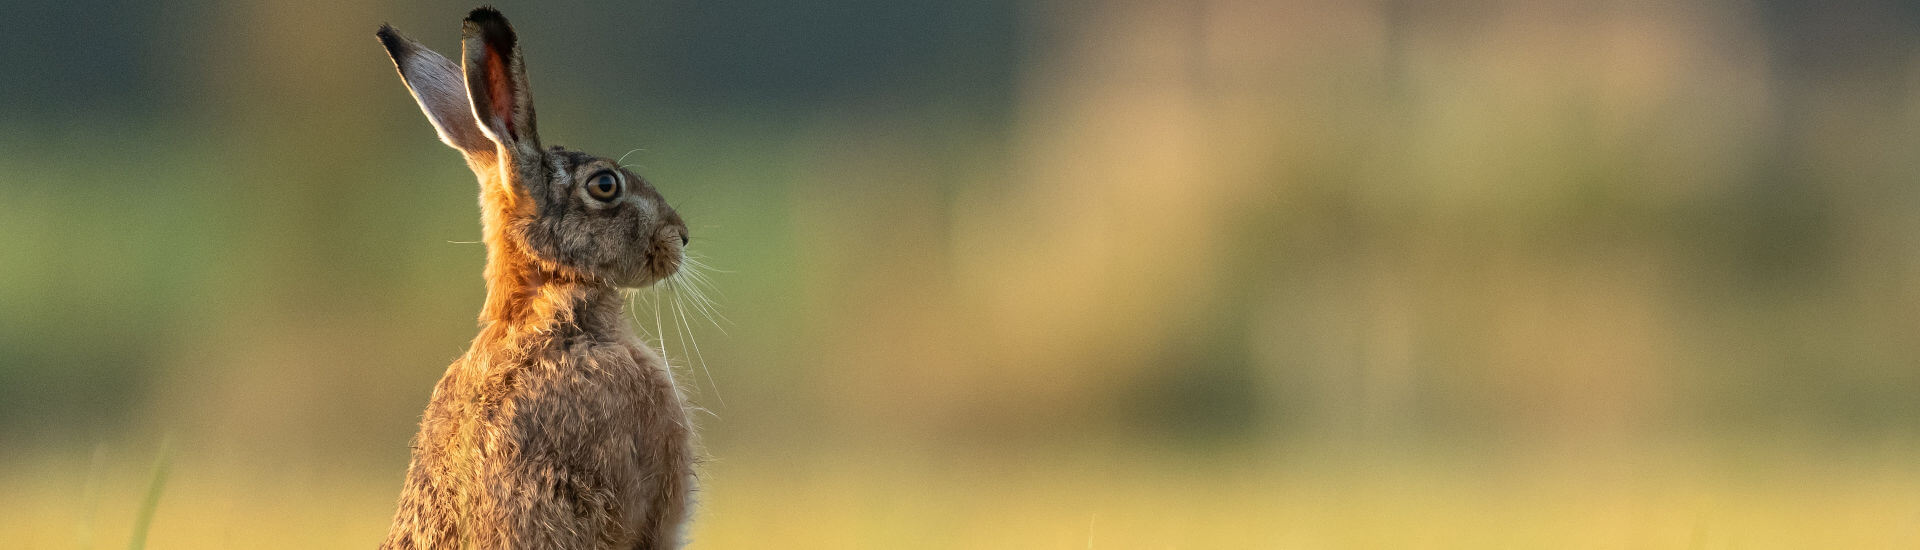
[[528, 302]]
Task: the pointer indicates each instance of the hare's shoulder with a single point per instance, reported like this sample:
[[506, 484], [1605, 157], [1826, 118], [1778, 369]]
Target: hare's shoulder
[[575, 381], [613, 364], [558, 380]]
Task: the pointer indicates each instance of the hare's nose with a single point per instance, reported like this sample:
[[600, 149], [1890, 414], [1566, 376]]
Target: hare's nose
[[684, 238]]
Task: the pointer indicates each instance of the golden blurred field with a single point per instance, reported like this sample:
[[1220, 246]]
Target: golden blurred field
[[1011, 273], [1592, 498]]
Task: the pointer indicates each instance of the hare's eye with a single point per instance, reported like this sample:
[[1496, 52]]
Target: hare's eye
[[604, 186]]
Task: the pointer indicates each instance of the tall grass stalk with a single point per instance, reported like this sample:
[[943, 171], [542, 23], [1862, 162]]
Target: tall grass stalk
[[152, 502]]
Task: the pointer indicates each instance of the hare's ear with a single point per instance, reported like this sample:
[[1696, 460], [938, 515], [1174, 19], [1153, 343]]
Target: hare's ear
[[438, 87], [497, 84]]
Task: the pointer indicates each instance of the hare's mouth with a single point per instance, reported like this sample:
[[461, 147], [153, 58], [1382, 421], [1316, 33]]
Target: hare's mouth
[[667, 261], [662, 260]]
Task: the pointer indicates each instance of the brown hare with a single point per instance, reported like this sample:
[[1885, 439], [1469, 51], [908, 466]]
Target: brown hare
[[558, 428]]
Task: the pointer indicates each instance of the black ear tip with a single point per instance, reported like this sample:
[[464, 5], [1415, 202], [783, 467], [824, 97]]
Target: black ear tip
[[391, 39], [487, 23], [486, 14]]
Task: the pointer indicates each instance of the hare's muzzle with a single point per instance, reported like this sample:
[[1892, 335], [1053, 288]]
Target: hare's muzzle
[[674, 228]]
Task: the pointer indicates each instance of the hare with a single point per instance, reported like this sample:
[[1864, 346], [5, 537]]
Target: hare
[[559, 428]]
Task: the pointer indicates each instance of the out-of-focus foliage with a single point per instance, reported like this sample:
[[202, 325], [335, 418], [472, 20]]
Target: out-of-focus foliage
[[1012, 274]]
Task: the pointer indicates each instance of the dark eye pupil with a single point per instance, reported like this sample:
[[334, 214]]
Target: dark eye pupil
[[603, 187]]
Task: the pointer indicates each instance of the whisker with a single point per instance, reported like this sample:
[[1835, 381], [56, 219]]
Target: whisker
[[623, 157], [708, 309], [697, 286], [680, 330], [695, 260], [687, 330], [706, 285], [660, 329], [631, 315], [698, 270]]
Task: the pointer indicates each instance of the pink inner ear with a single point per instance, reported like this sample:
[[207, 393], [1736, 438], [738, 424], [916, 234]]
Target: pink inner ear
[[500, 92]]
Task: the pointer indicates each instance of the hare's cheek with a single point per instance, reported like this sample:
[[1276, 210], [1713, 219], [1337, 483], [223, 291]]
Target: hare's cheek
[[544, 239], [563, 240], [589, 247], [610, 243]]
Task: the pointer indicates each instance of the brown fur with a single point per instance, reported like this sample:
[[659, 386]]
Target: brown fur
[[559, 428]]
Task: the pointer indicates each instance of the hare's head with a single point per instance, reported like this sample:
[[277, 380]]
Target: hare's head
[[562, 213]]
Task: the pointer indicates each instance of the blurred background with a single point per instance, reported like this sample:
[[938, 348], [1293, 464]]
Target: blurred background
[[1010, 274]]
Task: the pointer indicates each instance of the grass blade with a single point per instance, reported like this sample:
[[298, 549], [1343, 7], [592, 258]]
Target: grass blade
[[152, 503]]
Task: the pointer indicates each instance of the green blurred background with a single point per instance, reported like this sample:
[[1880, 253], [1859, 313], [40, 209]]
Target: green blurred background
[[998, 274]]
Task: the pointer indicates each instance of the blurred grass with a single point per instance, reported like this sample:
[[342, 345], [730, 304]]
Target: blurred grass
[[1591, 498]]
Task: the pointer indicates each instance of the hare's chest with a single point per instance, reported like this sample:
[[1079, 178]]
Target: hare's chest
[[582, 397], [613, 414]]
